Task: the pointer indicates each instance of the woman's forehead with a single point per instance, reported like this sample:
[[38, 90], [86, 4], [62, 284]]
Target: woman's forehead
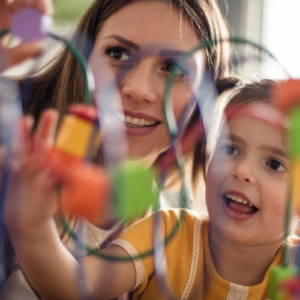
[[148, 22]]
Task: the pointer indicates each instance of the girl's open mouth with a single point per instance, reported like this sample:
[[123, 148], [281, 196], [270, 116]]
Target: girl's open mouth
[[237, 208]]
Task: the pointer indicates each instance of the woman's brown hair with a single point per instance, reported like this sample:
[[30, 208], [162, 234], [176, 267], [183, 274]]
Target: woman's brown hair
[[61, 83]]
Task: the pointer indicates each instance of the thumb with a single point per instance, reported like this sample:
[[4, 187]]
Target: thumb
[[17, 55]]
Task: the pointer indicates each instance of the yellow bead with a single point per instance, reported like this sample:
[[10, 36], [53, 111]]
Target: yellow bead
[[74, 136]]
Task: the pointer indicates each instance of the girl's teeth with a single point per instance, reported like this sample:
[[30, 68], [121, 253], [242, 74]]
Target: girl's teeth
[[238, 199], [147, 122], [142, 122]]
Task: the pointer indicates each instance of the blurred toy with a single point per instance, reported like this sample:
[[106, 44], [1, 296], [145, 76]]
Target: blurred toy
[[285, 280], [30, 25], [87, 188]]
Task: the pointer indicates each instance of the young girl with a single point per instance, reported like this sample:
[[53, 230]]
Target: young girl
[[112, 34], [224, 257]]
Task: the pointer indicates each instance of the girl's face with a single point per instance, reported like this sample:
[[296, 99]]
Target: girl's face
[[247, 183], [138, 45]]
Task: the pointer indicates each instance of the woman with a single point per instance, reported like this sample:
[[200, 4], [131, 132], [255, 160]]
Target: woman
[[115, 35]]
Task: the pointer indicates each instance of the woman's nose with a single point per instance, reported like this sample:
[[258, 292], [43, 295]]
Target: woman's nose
[[244, 172], [139, 84]]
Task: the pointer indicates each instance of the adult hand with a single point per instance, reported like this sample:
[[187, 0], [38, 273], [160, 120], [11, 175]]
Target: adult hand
[[13, 56]]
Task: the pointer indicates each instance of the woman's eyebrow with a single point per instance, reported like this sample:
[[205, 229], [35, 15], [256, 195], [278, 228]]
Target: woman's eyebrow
[[124, 41], [172, 53]]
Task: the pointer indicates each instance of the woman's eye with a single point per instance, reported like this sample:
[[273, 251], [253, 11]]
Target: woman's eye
[[117, 54], [230, 150], [172, 67], [276, 165]]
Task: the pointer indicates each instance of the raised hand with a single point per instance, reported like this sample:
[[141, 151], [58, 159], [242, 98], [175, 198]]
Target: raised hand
[[33, 192], [13, 56]]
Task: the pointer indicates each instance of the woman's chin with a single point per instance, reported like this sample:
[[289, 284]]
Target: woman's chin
[[145, 155]]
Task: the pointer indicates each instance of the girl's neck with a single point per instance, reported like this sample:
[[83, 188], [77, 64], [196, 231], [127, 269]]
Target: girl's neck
[[241, 264]]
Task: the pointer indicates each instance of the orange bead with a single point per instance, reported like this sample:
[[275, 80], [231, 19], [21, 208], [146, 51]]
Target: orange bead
[[287, 95], [86, 191]]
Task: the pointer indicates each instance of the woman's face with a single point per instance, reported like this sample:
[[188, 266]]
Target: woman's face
[[138, 45]]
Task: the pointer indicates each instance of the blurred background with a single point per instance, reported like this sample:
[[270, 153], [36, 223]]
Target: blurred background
[[272, 23]]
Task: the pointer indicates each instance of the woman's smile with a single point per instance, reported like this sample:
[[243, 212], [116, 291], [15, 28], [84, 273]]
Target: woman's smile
[[137, 124], [140, 46]]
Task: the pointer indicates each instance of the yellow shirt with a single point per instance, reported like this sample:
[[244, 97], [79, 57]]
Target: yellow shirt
[[190, 270]]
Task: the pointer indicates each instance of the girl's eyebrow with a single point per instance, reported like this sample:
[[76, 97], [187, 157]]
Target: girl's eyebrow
[[232, 137], [270, 148], [275, 150], [124, 41], [235, 138]]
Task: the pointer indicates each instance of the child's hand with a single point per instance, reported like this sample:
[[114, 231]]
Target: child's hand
[[33, 192], [16, 55]]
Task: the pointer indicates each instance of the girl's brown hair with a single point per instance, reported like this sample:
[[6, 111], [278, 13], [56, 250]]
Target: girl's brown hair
[[239, 95]]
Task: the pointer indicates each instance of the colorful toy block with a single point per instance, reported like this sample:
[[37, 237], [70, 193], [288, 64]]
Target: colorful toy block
[[30, 25]]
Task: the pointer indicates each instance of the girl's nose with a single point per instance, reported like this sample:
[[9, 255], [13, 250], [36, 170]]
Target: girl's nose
[[244, 172], [139, 84]]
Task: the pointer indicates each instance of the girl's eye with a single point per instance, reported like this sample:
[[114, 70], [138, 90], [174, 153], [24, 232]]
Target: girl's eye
[[230, 150], [117, 53], [276, 165]]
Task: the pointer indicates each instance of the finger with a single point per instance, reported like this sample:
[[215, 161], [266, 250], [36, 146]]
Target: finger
[[28, 125], [85, 111], [4, 15], [43, 6], [17, 55], [45, 132], [20, 144]]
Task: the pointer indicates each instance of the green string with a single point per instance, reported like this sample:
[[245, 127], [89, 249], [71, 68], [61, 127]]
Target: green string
[[95, 251], [286, 247], [87, 74], [172, 127]]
